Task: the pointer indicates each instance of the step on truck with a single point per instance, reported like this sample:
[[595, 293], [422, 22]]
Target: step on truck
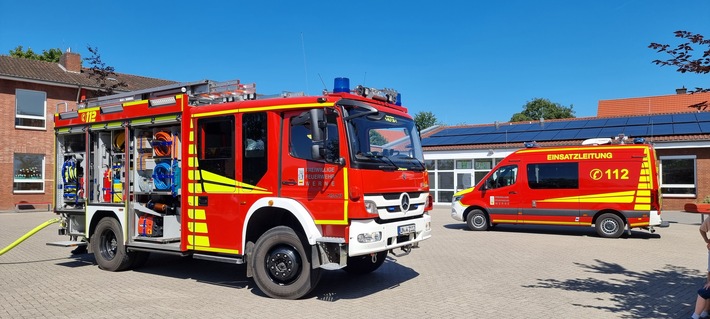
[[288, 184], [610, 184]]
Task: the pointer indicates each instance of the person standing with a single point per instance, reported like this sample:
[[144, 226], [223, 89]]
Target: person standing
[[702, 305]]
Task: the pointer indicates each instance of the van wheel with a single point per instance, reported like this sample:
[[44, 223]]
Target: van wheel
[[280, 265], [477, 220], [609, 226]]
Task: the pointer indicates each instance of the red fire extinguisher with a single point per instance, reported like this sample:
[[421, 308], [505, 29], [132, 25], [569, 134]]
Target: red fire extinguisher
[[107, 185]]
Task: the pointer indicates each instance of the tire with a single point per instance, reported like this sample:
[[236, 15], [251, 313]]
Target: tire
[[108, 246], [609, 226], [361, 265], [281, 267], [477, 220]]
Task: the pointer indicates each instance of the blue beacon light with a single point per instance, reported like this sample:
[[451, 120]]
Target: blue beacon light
[[398, 102], [341, 85]]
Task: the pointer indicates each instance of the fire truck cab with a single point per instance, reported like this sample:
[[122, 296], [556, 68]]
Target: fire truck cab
[[613, 187], [288, 184]]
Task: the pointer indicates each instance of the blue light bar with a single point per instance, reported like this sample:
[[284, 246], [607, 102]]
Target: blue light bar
[[399, 99], [341, 85], [639, 140]]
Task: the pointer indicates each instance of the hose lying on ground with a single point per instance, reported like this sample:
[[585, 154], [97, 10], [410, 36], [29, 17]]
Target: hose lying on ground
[[28, 234]]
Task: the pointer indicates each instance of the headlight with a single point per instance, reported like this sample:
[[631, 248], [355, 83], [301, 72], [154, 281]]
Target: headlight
[[456, 198], [371, 207]]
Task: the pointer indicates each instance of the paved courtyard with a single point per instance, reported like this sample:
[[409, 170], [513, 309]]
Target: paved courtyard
[[509, 272]]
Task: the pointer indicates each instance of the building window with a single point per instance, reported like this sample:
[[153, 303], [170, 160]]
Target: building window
[[28, 173], [678, 176], [447, 176], [30, 109]]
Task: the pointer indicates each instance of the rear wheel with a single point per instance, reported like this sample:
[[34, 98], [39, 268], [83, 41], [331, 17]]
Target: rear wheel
[[609, 226], [108, 246], [280, 265], [366, 264], [477, 220]]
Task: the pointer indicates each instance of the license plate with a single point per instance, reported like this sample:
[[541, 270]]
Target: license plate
[[406, 229]]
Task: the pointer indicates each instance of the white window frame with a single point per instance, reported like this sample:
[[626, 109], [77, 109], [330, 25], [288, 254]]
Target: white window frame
[[695, 177], [32, 117], [20, 179]]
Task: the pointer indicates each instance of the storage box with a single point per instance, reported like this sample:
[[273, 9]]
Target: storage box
[[150, 226]]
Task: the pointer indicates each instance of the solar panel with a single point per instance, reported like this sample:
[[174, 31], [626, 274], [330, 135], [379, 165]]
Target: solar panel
[[662, 119], [634, 131], [686, 128], [616, 122], [484, 139], [703, 116], [704, 127], [638, 120], [522, 127], [587, 133], [596, 123], [471, 139], [543, 136], [555, 125], [684, 118], [661, 129], [566, 135], [487, 129], [611, 131], [576, 124]]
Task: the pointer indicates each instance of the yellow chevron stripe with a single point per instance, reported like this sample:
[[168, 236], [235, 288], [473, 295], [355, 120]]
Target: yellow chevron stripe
[[196, 214], [197, 227], [198, 240], [215, 250]]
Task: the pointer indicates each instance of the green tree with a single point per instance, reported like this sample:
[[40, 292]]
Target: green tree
[[104, 75], [425, 120], [51, 55], [543, 108], [682, 55]]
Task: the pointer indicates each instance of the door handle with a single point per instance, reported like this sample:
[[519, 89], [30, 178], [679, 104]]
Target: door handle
[[288, 182], [512, 192]]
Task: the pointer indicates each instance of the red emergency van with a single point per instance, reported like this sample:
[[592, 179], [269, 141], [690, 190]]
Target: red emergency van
[[613, 187]]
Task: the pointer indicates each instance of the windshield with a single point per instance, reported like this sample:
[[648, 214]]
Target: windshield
[[383, 141]]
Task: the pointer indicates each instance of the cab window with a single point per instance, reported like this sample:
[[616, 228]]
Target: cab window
[[215, 142], [503, 176], [300, 142]]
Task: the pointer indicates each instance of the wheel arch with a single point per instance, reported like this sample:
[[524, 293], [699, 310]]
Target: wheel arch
[[97, 217], [471, 208], [610, 211], [267, 213]]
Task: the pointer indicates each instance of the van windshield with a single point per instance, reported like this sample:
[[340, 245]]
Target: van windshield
[[503, 176]]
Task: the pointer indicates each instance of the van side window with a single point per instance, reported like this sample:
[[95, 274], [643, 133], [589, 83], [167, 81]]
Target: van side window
[[553, 176], [504, 176]]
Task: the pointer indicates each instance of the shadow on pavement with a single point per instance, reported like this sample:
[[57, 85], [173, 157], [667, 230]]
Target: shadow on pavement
[[334, 284], [656, 293], [556, 230]]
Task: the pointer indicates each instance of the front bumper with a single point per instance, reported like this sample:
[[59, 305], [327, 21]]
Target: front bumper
[[457, 211], [390, 238]]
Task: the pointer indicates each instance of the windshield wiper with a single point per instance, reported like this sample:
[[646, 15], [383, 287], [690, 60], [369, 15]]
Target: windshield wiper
[[381, 158]]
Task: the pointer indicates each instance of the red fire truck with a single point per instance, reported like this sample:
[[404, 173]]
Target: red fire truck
[[288, 184], [613, 187]]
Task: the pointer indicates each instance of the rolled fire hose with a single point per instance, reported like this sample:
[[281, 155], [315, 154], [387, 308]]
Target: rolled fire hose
[[28, 234]]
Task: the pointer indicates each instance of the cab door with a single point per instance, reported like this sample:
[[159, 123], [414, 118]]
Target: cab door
[[314, 178], [502, 194]]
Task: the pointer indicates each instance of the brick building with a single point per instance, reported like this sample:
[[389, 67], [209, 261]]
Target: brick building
[[30, 93], [678, 126]]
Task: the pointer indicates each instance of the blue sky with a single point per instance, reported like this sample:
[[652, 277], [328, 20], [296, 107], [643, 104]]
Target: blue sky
[[468, 62]]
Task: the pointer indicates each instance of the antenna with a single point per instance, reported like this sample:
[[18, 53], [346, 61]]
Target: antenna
[[305, 67], [325, 87]]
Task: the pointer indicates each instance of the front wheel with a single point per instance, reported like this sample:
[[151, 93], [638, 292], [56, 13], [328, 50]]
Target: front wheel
[[366, 264], [477, 220], [280, 265], [108, 246], [609, 226]]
